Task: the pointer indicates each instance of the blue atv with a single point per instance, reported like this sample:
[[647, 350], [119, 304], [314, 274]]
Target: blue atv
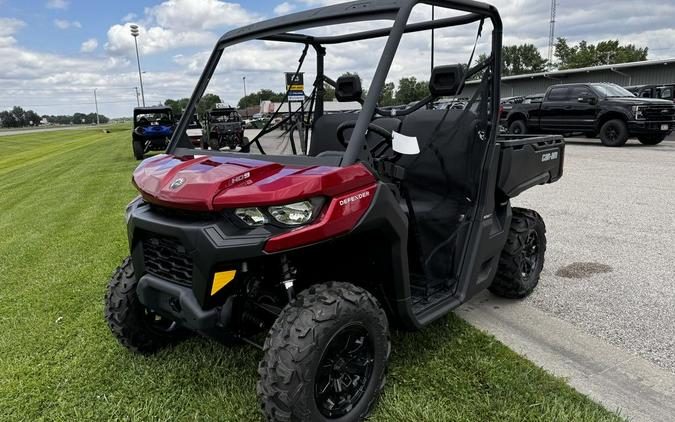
[[153, 127]]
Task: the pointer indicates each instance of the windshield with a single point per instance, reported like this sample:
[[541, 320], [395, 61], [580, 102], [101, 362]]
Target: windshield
[[611, 90], [224, 118]]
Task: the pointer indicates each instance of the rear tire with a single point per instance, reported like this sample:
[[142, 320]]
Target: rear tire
[[522, 258], [614, 133], [139, 149], [325, 357], [652, 139], [134, 326], [518, 127]]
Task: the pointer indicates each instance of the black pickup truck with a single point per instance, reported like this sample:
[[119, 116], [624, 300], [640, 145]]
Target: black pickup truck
[[603, 109]]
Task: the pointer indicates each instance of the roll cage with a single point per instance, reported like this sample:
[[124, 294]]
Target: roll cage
[[399, 11]]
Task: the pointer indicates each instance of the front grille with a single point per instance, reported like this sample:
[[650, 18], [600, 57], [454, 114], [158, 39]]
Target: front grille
[[661, 112], [184, 214], [168, 259]]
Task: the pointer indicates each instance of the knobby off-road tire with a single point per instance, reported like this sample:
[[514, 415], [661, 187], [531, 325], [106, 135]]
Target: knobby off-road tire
[[652, 139], [299, 369], [522, 258], [131, 323], [139, 150], [518, 127], [614, 133]]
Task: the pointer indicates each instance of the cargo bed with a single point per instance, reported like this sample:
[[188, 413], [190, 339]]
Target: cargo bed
[[528, 160]]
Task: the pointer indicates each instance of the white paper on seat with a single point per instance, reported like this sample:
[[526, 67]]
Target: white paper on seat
[[405, 144]]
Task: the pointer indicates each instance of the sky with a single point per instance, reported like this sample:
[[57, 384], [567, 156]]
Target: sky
[[54, 53]]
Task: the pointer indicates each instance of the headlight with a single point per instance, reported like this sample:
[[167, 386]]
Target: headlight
[[637, 112], [294, 214], [251, 216]]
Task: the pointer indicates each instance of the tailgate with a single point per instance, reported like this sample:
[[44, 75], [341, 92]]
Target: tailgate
[[527, 161]]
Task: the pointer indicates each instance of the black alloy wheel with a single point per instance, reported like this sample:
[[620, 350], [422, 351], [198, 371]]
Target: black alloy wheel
[[344, 371]]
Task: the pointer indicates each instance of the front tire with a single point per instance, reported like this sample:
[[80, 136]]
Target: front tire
[[139, 149], [325, 357], [614, 133], [135, 327], [518, 127], [652, 139], [522, 258]]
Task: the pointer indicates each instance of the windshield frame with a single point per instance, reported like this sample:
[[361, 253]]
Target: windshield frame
[[399, 10]]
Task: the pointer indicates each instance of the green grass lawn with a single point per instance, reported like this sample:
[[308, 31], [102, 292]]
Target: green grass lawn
[[62, 196]]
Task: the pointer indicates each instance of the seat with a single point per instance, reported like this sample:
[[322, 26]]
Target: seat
[[324, 134]]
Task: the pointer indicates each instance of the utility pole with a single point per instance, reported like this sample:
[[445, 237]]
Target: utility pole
[[135, 33], [551, 32], [138, 97], [96, 102], [246, 106]]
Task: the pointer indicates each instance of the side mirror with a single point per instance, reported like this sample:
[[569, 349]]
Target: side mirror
[[447, 81], [348, 88]]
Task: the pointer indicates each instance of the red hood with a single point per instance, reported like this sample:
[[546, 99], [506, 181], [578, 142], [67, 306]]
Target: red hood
[[207, 183]]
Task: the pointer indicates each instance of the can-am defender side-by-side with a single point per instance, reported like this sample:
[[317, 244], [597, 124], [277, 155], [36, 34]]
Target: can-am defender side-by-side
[[153, 128], [224, 129], [392, 218]]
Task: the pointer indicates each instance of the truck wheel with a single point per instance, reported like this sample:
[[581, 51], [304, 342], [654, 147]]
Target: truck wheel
[[325, 357], [139, 149], [136, 327], [652, 139], [522, 258], [614, 133], [518, 127]]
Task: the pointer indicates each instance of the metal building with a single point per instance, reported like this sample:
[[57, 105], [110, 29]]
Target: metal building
[[625, 74]]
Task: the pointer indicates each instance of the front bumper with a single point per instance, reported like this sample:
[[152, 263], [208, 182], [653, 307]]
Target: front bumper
[[208, 244], [650, 127]]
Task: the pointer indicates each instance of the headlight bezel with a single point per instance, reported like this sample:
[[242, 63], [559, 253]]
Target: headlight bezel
[[638, 112]]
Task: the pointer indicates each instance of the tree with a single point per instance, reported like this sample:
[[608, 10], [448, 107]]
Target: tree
[[522, 59], [329, 94], [410, 90], [31, 118], [207, 102], [387, 95], [253, 99], [7, 119], [177, 106], [79, 118], [604, 53]]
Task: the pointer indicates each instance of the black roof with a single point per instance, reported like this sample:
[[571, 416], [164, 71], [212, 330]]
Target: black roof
[[155, 109]]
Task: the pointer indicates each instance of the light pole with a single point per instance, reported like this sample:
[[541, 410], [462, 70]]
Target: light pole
[[246, 107], [96, 102], [135, 33]]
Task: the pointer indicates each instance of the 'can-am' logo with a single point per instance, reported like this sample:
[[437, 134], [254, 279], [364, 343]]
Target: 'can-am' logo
[[177, 183], [354, 198]]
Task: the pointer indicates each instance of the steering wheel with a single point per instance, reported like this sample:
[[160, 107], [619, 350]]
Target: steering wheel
[[379, 148]]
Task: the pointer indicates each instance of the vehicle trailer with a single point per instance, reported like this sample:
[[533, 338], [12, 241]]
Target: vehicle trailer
[[603, 109], [392, 218], [153, 127]]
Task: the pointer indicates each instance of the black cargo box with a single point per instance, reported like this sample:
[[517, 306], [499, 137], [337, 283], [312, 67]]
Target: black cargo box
[[527, 161]]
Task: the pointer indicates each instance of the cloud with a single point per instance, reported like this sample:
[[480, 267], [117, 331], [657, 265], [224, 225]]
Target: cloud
[[8, 27], [153, 40], [129, 17], [65, 24], [57, 4], [188, 15], [284, 8], [89, 46]]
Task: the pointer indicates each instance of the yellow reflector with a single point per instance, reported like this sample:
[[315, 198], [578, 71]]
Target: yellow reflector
[[221, 279]]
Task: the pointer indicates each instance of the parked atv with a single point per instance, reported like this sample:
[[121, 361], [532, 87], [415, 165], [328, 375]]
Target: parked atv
[[224, 129], [153, 127], [393, 218]]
